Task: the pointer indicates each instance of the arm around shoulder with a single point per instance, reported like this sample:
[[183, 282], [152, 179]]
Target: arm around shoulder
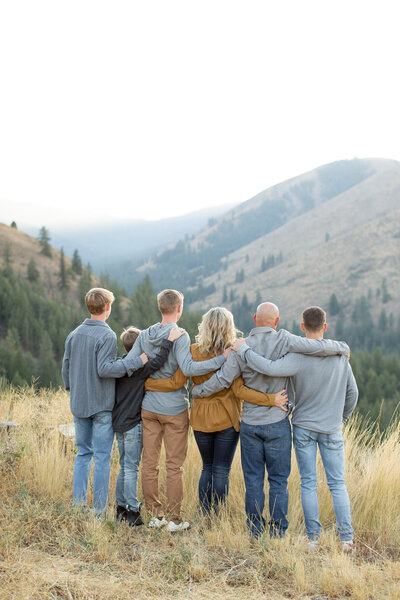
[[192, 367], [302, 345], [351, 394]]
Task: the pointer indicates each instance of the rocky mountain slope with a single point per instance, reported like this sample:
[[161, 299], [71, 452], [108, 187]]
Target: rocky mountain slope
[[332, 230]]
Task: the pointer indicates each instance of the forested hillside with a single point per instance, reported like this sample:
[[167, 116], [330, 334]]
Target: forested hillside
[[42, 299]]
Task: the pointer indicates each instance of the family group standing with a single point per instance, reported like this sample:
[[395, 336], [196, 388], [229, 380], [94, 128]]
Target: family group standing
[[243, 389]]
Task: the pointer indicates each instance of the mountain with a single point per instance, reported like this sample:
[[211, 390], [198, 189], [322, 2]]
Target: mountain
[[332, 230], [116, 244]]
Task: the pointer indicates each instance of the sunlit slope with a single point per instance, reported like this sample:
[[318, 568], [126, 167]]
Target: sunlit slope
[[346, 246], [332, 230]]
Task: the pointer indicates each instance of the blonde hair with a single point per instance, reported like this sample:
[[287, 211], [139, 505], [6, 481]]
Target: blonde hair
[[168, 301], [97, 299], [217, 331], [129, 336]]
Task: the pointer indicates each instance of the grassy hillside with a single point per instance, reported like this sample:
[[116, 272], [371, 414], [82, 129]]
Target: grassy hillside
[[49, 551]]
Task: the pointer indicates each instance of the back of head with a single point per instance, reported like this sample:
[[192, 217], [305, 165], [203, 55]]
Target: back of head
[[97, 299], [217, 331], [314, 319], [129, 336], [169, 301], [267, 315]]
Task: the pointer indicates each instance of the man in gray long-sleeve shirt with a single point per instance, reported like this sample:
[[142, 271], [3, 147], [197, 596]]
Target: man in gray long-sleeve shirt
[[165, 414], [265, 433], [326, 395], [89, 370]]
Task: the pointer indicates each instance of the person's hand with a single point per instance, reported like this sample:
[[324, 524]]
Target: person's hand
[[281, 400], [226, 352], [348, 354], [237, 343], [144, 358], [175, 333]]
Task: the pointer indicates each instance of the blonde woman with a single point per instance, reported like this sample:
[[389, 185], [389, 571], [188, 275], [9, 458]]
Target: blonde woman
[[216, 420]]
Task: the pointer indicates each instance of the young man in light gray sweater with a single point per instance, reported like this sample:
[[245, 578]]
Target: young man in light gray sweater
[[326, 395], [89, 370], [265, 433], [165, 415]]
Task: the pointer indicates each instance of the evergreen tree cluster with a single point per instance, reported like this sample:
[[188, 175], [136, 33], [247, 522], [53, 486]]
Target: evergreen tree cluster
[[271, 261], [33, 329]]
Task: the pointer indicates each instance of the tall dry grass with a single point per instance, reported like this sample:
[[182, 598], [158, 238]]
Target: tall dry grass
[[49, 550]]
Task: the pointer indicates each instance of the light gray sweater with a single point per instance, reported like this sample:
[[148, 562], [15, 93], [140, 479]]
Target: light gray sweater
[[325, 389], [274, 344], [149, 341], [90, 366]]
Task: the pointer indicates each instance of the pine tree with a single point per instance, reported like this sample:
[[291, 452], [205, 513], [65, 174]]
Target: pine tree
[[144, 311], [239, 276], [14, 225], [334, 305], [225, 295], [44, 241], [32, 271], [263, 265], [85, 284], [76, 263], [385, 294], [63, 275]]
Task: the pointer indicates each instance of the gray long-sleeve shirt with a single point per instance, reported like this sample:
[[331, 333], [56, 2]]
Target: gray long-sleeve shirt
[[272, 344], [325, 388], [90, 367], [149, 341]]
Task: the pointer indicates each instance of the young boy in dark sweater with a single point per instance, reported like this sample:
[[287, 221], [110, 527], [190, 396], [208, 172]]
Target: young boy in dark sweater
[[126, 419]]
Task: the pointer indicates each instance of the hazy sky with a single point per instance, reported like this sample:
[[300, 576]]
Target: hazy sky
[[155, 108]]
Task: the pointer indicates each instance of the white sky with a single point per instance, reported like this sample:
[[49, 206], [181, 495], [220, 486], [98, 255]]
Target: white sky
[[156, 108]]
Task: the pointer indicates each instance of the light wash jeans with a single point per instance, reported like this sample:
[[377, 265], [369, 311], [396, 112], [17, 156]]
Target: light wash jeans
[[94, 437], [130, 444], [331, 448]]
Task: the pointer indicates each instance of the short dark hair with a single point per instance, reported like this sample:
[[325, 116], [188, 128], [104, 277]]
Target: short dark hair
[[314, 318]]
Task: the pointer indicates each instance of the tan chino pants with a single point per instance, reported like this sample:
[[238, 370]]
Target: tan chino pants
[[174, 431]]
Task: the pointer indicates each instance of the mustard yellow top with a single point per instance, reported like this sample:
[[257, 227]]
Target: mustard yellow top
[[218, 411]]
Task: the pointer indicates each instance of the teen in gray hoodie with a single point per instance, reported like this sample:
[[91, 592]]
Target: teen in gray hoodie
[[165, 414]]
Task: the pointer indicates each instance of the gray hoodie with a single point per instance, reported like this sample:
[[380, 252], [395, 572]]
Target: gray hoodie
[[272, 344], [149, 341], [326, 391]]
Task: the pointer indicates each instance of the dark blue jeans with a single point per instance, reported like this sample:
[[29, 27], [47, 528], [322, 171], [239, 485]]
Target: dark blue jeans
[[266, 447], [217, 450]]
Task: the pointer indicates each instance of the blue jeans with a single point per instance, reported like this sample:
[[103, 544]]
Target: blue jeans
[[266, 447], [130, 444], [217, 450], [94, 437], [331, 448]]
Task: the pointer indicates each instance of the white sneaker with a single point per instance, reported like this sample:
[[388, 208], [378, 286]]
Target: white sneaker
[[156, 523], [173, 527], [349, 546], [311, 544]]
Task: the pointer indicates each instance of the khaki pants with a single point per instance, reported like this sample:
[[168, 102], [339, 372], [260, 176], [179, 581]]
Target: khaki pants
[[174, 430]]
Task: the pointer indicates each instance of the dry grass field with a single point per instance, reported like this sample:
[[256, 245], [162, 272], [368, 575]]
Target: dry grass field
[[48, 550]]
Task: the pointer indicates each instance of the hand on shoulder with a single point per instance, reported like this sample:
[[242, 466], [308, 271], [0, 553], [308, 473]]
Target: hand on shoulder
[[175, 333], [144, 358], [237, 343]]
